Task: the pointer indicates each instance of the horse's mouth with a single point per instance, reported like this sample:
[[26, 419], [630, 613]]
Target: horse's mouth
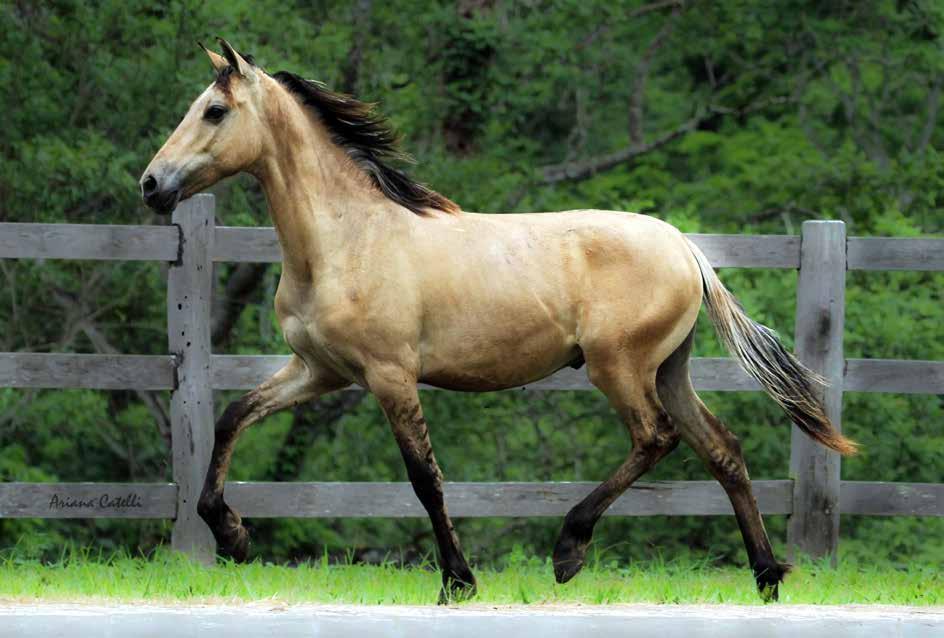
[[163, 203]]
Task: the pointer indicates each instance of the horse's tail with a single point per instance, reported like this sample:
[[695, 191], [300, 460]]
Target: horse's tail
[[759, 351]]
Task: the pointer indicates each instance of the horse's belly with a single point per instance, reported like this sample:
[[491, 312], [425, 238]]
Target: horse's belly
[[488, 378], [474, 361]]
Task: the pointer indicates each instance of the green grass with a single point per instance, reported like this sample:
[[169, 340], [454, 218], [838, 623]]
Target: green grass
[[169, 577]]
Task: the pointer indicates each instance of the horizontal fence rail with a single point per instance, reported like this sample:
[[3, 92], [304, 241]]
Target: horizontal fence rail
[[244, 372], [192, 244], [90, 371], [89, 241], [466, 500], [245, 244], [88, 500], [892, 253], [479, 500]]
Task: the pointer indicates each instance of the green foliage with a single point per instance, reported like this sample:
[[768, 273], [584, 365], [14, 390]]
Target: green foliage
[[799, 110]]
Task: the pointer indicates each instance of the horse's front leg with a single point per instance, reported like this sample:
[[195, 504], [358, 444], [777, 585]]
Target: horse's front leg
[[293, 384], [400, 402]]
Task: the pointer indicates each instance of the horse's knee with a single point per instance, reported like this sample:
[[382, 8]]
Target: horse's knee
[[234, 415]]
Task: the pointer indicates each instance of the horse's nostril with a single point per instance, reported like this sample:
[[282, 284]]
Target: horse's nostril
[[149, 185]]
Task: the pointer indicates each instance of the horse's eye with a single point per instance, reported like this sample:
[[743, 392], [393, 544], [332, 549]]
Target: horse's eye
[[215, 113]]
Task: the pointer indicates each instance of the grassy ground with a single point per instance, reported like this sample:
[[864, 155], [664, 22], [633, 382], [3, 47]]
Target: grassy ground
[[166, 577]]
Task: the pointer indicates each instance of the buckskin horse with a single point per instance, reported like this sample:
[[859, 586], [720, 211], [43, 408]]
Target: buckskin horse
[[386, 283]]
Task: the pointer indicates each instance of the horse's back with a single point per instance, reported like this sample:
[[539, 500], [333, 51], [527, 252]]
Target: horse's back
[[514, 297]]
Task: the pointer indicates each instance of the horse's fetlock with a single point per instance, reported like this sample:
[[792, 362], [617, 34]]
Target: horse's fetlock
[[577, 527], [458, 570], [208, 506]]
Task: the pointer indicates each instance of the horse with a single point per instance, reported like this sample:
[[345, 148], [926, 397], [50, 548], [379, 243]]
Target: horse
[[387, 283]]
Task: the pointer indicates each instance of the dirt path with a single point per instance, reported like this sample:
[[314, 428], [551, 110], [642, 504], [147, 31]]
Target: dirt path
[[48, 620]]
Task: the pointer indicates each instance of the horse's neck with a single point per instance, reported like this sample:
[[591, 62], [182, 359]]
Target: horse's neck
[[313, 200]]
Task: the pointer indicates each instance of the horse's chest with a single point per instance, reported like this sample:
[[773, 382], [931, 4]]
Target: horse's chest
[[297, 334], [328, 334], [345, 323], [308, 340], [295, 311]]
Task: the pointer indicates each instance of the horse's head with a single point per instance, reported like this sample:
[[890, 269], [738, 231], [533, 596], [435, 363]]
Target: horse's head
[[219, 136]]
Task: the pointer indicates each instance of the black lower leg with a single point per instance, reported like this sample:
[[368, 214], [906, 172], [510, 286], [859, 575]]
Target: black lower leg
[[653, 435], [426, 477], [458, 580], [726, 462], [571, 549], [232, 538], [768, 572]]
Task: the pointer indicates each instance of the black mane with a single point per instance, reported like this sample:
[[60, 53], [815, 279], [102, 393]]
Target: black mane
[[368, 140]]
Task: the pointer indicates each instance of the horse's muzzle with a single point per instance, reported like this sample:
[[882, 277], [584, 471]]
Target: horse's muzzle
[[161, 198]]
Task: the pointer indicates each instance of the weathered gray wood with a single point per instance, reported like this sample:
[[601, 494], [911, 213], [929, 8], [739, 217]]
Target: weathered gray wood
[[88, 241], [750, 251], [244, 372], [189, 295], [466, 500], [241, 372], [234, 243], [93, 371], [895, 253], [88, 500], [720, 374], [892, 499], [892, 375], [723, 251], [814, 524]]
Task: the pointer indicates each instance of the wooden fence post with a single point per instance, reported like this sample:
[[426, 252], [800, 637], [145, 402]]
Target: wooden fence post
[[813, 527], [189, 287]]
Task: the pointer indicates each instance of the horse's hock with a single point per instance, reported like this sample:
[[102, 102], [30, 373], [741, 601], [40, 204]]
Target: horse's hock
[[814, 498]]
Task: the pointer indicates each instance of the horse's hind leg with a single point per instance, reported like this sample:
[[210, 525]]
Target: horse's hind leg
[[632, 393], [721, 452], [293, 384]]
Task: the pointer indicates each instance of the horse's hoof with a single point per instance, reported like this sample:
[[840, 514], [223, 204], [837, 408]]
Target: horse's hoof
[[567, 568], [232, 538], [569, 555], [457, 589], [234, 544], [768, 579]]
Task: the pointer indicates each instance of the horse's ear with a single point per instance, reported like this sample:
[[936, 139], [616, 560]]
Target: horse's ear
[[218, 61], [237, 61]]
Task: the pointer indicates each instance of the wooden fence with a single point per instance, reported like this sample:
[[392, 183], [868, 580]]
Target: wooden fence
[[813, 497]]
